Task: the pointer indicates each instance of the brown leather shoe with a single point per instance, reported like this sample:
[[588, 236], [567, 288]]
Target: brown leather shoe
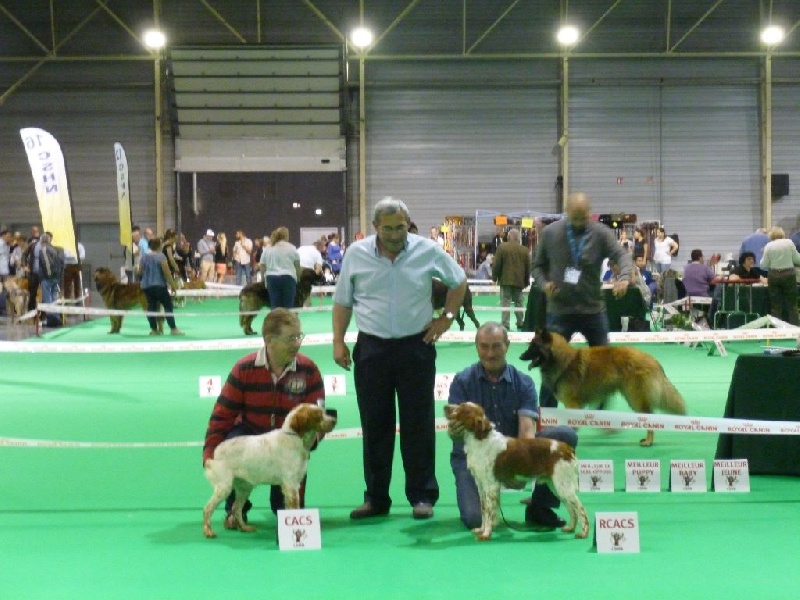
[[422, 510], [367, 510]]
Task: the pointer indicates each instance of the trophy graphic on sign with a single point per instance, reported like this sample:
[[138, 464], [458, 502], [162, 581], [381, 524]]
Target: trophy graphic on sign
[[617, 537], [731, 479], [596, 480], [643, 480], [298, 534], [688, 479]]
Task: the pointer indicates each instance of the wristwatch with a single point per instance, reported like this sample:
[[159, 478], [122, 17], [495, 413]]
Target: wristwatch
[[449, 315]]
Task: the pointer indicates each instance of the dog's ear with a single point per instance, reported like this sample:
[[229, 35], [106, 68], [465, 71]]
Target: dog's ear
[[449, 410], [544, 336]]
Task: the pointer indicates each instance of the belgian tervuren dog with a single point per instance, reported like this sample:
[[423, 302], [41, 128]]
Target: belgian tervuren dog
[[588, 376]]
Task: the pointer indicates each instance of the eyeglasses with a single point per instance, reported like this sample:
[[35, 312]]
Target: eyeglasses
[[289, 339]]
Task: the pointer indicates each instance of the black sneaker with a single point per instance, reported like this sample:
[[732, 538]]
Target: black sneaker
[[543, 519]]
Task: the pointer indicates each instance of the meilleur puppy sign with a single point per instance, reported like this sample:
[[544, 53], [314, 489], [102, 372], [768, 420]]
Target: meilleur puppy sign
[[642, 475]]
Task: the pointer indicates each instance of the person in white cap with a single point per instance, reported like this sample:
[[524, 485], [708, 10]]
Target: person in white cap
[[205, 250]]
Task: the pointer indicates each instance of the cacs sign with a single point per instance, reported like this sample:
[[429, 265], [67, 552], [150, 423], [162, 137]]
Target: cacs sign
[[299, 529]]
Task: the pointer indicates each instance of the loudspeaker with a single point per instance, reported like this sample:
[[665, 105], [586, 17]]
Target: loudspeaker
[[780, 185]]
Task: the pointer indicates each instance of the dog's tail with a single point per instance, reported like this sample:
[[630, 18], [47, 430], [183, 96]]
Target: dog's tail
[[668, 398]]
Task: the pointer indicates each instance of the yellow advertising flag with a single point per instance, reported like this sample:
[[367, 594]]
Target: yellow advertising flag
[[52, 190], [123, 194]]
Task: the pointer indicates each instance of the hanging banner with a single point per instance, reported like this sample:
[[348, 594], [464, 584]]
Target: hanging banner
[[123, 194], [52, 190]]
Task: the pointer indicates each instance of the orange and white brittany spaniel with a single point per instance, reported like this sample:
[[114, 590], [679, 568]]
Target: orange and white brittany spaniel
[[279, 457], [495, 460]]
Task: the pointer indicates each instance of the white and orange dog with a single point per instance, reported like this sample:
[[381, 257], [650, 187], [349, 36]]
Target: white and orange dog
[[495, 460], [279, 457]]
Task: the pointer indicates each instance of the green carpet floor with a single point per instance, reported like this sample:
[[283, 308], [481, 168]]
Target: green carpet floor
[[125, 522]]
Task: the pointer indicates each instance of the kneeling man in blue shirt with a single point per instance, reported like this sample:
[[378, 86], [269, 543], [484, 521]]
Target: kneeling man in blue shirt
[[508, 397]]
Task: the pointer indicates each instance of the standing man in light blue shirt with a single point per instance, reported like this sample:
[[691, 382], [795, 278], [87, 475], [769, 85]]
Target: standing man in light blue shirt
[[386, 281]]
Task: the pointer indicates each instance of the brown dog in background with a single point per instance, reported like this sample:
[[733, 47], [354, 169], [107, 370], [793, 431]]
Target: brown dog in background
[[17, 302], [589, 376], [120, 296], [254, 297]]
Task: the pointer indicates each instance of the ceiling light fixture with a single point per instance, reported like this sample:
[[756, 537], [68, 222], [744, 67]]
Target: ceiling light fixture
[[772, 35], [361, 37], [154, 39], [567, 35]]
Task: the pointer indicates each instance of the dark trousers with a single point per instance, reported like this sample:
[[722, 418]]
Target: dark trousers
[[405, 367], [276, 500], [782, 288], [72, 282], [282, 289], [33, 289], [593, 327], [159, 295]]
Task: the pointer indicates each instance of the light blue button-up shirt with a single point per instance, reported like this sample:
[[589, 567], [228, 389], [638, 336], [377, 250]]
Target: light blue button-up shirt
[[393, 299]]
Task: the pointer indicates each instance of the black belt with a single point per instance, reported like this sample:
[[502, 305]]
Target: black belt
[[408, 338]]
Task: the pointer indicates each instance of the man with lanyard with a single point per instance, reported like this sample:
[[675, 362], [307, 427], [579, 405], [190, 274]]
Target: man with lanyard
[[566, 268]]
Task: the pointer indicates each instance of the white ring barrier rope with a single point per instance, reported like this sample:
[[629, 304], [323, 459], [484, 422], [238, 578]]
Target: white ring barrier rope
[[166, 344], [600, 419]]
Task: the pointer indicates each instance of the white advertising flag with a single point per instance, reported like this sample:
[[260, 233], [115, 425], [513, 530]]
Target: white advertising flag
[[52, 190]]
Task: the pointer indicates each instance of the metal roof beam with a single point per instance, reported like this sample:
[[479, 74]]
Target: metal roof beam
[[325, 20], [600, 20], [492, 26], [696, 25], [218, 16], [41, 61], [392, 25], [22, 28]]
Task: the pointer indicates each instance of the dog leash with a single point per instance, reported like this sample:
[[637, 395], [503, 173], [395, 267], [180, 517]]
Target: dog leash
[[525, 527], [522, 528]]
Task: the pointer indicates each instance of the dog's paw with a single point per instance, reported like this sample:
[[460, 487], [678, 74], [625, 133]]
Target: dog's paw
[[208, 532]]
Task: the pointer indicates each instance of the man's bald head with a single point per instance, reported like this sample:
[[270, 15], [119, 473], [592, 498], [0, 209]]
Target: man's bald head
[[578, 209]]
